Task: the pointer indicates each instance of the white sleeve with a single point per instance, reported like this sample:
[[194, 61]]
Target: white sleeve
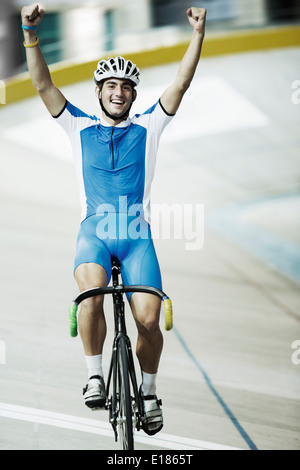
[[155, 119], [73, 120]]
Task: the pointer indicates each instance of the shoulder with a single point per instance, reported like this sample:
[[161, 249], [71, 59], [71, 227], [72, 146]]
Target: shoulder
[[73, 117], [155, 117], [72, 110], [154, 108]]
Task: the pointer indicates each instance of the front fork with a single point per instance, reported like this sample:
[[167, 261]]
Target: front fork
[[112, 403]]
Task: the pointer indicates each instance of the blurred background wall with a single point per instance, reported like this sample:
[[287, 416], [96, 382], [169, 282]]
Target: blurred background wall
[[77, 30]]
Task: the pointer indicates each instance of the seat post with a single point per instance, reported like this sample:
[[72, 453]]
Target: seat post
[[116, 270], [120, 326]]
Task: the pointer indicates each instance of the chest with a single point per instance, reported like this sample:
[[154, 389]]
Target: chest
[[113, 148]]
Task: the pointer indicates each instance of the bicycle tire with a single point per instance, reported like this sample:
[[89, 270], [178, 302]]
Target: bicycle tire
[[125, 424]]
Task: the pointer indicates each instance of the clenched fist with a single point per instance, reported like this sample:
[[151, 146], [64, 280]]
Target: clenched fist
[[197, 18], [32, 15]]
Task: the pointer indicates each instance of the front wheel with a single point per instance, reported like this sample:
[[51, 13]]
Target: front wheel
[[125, 425]]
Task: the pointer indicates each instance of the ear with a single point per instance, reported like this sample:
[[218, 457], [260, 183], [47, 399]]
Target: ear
[[97, 91], [134, 95]]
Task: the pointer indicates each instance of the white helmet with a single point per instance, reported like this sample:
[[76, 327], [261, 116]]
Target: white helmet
[[118, 68]]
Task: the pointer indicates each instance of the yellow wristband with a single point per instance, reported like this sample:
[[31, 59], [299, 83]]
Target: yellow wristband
[[33, 44]]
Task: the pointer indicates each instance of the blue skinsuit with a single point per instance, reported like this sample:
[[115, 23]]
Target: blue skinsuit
[[115, 168]]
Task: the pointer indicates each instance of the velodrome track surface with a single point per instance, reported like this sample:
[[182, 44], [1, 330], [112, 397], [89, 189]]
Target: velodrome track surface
[[229, 377]]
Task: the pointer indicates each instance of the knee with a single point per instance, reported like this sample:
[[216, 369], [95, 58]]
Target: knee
[[148, 324], [146, 311], [93, 305]]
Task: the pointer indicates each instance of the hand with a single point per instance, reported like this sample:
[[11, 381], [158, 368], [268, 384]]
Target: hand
[[32, 15], [197, 18]]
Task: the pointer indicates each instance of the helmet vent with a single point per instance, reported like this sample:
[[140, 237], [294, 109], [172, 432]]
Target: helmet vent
[[117, 68]]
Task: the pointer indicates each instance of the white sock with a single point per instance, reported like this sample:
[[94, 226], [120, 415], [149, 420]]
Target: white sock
[[94, 365], [149, 383]]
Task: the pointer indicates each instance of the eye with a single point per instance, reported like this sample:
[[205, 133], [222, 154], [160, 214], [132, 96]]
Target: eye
[[126, 87]]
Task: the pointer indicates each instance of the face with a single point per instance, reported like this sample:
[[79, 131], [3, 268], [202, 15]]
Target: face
[[117, 96]]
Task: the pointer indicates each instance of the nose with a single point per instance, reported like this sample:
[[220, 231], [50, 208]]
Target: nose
[[119, 91]]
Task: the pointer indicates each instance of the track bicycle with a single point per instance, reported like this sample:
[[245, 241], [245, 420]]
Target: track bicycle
[[124, 404]]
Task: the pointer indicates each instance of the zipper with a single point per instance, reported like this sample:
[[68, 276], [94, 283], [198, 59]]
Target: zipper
[[112, 148]]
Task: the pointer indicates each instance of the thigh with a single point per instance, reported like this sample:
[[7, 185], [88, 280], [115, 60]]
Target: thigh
[[146, 310], [92, 259], [141, 267], [90, 275]]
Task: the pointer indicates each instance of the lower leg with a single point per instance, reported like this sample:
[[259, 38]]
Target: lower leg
[[149, 348], [146, 310], [92, 329], [148, 384], [92, 326], [94, 365], [91, 319]]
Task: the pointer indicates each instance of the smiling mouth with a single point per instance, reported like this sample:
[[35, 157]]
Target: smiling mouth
[[118, 102]]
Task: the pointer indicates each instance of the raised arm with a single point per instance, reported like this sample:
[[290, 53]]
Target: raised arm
[[173, 95], [39, 72]]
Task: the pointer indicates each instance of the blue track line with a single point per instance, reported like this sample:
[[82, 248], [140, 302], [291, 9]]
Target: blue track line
[[227, 410]]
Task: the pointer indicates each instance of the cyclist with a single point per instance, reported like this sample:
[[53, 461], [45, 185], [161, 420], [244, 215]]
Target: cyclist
[[115, 159]]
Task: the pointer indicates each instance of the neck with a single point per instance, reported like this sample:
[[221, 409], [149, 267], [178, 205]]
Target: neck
[[110, 121]]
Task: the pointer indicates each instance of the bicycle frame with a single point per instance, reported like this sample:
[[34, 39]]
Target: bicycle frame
[[117, 290], [120, 332]]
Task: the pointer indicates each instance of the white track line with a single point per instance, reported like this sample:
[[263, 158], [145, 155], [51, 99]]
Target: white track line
[[78, 423]]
